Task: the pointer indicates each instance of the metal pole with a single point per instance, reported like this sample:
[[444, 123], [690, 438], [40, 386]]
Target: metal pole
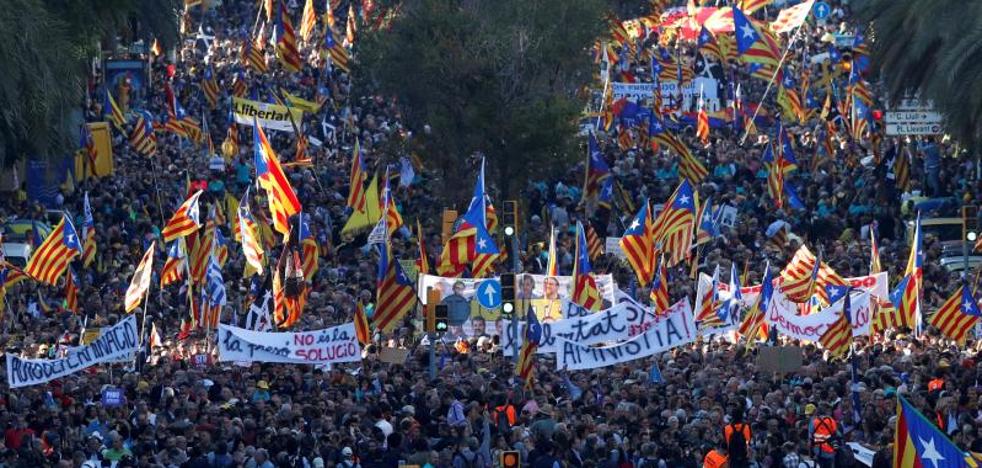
[[432, 337]]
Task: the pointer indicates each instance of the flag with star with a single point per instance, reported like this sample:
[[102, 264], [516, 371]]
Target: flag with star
[[958, 315], [906, 296], [675, 225], [753, 44], [637, 243], [917, 442], [51, 258], [599, 182]]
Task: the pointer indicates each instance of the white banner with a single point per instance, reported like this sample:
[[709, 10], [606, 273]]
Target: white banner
[[330, 345], [874, 284], [783, 315], [548, 295], [632, 91], [115, 342], [618, 323], [676, 328], [270, 116]]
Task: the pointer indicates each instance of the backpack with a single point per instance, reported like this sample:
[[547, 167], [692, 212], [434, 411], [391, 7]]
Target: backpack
[[736, 447], [844, 457], [502, 426]]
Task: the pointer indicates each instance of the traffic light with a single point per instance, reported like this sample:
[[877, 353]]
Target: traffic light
[[441, 317], [510, 459], [507, 293], [510, 217]]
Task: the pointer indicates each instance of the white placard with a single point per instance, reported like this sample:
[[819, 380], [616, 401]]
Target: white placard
[[330, 345], [116, 342]]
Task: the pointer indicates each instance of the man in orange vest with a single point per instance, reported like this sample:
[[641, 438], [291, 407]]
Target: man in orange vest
[[716, 458], [822, 430]]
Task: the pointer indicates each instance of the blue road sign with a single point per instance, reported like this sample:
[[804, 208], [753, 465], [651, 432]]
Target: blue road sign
[[821, 10], [488, 293]]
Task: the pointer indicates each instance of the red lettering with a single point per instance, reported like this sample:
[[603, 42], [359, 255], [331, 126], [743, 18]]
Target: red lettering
[[303, 340]]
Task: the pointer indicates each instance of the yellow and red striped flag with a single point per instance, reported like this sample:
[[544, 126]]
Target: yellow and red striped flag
[[422, 262], [958, 315], [88, 233], [308, 247], [283, 202], [838, 336], [71, 292], [308, 21], [252, 249], [286, 41], [396, 296], [356, 183], [585, 292], [874, 251], [50, 260], [659, 288], [175, 265], [530, 345], [141, 280], [594, 246], [363, 330], [185, 220], [552, 264]]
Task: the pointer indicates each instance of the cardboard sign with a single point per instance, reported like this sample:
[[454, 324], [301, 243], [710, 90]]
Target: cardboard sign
[[783, 359], [394, 355]]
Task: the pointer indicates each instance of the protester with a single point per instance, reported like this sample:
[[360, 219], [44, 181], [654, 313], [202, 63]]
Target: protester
[[711, 405]]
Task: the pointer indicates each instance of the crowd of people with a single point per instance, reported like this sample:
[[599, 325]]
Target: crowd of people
[[711, 404]]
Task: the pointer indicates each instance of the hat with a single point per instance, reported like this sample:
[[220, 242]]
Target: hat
[[346, 452], [809, 409], [263, 385], [408, 409], [944, 364], [143, 386]]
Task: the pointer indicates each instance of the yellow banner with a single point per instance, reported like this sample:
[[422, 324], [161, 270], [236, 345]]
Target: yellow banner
[[270, 116], [103, 148], [297, 102]]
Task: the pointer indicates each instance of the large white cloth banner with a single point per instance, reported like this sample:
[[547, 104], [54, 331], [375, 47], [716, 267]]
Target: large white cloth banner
[[675, 328], [782, 314], [617, 323], [113, 344], [330, 345]]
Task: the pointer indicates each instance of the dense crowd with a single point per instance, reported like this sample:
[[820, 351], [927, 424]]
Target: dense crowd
[[182, 408]]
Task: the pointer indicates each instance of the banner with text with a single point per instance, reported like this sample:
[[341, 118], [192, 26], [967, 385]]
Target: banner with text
[[618, 323], [270, 116], [675, 328], [116, 342], [330, 345], [875, 284], [782, 314]]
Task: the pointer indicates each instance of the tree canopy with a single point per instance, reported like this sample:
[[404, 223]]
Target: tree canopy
[[932, 48], [47, 45], [498, 77]]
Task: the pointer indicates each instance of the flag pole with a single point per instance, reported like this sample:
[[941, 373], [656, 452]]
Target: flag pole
[[770, 83], [146, 301]]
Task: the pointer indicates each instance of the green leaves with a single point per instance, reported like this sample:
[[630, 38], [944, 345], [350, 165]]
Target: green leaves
[[932, 48], [47, 47], [497, 77]]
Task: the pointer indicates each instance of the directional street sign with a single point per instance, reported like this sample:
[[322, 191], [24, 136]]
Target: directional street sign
[[821, 10], [913, 129], [489, 293], [913, 117]]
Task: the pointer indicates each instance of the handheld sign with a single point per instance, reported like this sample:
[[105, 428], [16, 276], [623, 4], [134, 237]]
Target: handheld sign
[[112, 397], [489, 294]]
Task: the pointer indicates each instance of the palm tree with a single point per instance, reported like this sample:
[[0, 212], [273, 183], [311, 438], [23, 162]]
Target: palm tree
[[44, 58], [931, 48]]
